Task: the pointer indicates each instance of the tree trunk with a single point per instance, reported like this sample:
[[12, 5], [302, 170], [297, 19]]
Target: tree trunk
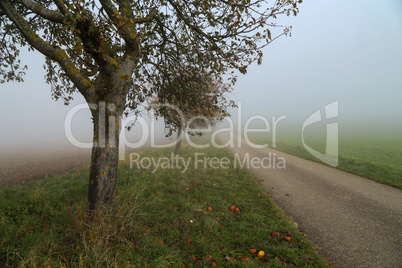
[[105, 152], [179, 139]]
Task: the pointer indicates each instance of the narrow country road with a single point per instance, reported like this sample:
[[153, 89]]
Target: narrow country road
[[355, 222]]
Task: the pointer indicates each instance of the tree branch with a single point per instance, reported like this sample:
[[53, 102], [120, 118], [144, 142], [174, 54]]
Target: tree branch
[[148, 18], [194, 27], [60, 5], [126, 29], [118, 21], [55, 53], [51, 15]]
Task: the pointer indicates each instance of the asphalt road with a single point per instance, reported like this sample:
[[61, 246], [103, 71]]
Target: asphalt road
[[355, 222]]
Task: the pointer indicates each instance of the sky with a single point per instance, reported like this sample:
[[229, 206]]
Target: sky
[[345, 51]]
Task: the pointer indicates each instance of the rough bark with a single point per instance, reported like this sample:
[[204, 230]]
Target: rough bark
[[105, 152]]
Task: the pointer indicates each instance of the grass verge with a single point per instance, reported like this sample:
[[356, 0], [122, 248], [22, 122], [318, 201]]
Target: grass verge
[[161, 219], [378, 160]]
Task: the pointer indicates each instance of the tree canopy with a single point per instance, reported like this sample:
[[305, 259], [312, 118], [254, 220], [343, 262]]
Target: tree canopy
[[198, 101], [140, 41]]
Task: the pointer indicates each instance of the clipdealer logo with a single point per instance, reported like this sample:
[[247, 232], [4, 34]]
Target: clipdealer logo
[[330, 156]]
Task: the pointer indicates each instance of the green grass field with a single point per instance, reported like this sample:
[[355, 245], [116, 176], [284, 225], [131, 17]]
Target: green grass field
[[370, 156], [162, 219]]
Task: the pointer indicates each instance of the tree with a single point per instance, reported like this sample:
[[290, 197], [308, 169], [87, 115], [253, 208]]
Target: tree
[[109, 49], [198, 102]]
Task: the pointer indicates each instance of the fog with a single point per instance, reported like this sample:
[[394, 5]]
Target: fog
[[345, 51]]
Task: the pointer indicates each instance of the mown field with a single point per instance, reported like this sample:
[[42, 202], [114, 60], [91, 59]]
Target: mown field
[[369, 155], [199, 218]]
